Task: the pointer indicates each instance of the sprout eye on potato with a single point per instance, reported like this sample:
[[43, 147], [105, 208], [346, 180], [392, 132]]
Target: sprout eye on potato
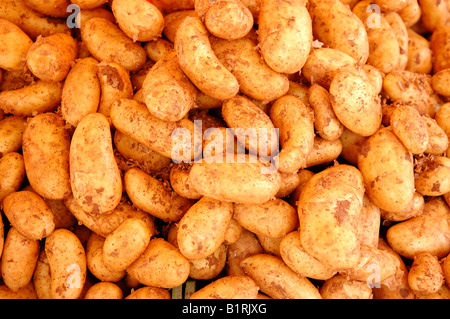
[[261, 149]]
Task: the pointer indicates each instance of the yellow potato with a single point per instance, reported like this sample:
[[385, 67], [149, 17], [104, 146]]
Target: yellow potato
[[12, 173], [241, 179], [19, 258], [387, 168], [12, 80], [355, 104], [104, 290], [425, 277], [149, 293], [158, 48], [446, 269], [67, 260], [161, 265], [441, 82], [323, 152], [172, 22], [139, 20], [431, 177], [209, 267], [442, 293], [86, 14], [125, 244], [49, 58], [15, 44], [440, 46], [340, 287], [168, 6], [94, 175], [420, 56], [228, 287], [389, 5], [106, 42], [200, 64], [414, 208], [369, 223], [81, 91], [434, 14], [438, 140], [276, 279], [295, 122], [54, 8], [245, 246], [41, 277], [285, 35], [27, 292], [180, 182], [46, 145], [411, 13], [375, 77], [442, 118], [401, 34], [351, 143], [270, 245], [89, 4], [35, 98], [234, 232], [289, 182], [29, 214], [256, 79], [272, 219]]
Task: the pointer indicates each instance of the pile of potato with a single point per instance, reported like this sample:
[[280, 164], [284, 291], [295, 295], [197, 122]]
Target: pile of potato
[[349, 199]]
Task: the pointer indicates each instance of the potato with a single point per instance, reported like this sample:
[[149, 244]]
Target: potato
[[387, 6], [440, 47], [30, 21], [270, 245], [240, 179], [54, 8], [276, 279], [324, 63], [94, 175], [245, 246], [441, 82], [446, 269], [167, 6], [172, 22], [256, 79], [432, 176], [35, 98], [149, 293], [139, 20], [167, 91], [180, 182], [106, 42], [67, 260], [46, 145], [401, 34], [49, 58], [414, 208], [226, 19], [438, 140], [355, 104], [423, 233], [420, 56], [442, 118], [375, 77], [289, 182], [12, 80], [209, 267], [408, 125], [19, 258], [323, 208], [158, 48], [252, 126], [27, 292], [139, 154], [154, 196], [411, 13], [272, 219], [125, 244], [41, 277], [369, 223], [326, 124], [351, 143], [425, 276], [233, 233], [323, 152], [387, 168], [161, 265], [300, 261], [285, 35], [340, 287], [95, 262], [304, 176], [15, 43], [434, 14], [81, 91], [12, 174], [104, 290], [89, 4], [153, 132], [29, 214], [228, 287], [295, 122], [339, 28], [86, 14], [442, 293]]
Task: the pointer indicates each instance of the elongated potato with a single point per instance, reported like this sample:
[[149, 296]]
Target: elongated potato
[[158, 48], [35, 98], [94, 175], [89, 4], [27, 292], [15, 43], [106, 42], [401, 34], [29, 214], [41, 277], [167, 91], [340, 287], [81, 91], [50, 58], [67, 260], [295, 122], [167, 6], [438, 140], [180, 182], [414, 208], [241, 179], [12, 173], [273, 219], [276, 279], [300, 261], [339, 28], [11, 134], [420, 56], [333, 210], [355, 103], [161, 265], [54, 8], [149, 293], [425, 276], [172, 22], [200, 64], [228, 287], [46, 145], [440, 47], [19, 258], [431, 177], [323, 152], [387, 6], [289, 182], [442, 118], [139, 20], [256, 79]]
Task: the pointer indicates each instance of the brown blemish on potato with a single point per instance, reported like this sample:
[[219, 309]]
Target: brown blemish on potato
[[112, 76], [341, 213]]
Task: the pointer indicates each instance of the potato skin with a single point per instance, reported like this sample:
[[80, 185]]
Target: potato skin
[[12, 173], [149, 293], [440, 47], [94, 175], [432, 177], [11, 134], [104, 290], [180, 182], [340, 287], [425, 277], [266, 270], [46, 146], [67, 260], [16, 44], [284, 34], [29, 214], [228, 287]]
